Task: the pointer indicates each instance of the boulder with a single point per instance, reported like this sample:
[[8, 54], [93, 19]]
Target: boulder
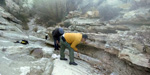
[[73, 14], [78, 28], [134, 17], [105, 29], [92, 14], [37, 52], [60, 24], [3, 27], [138, 46], [121, 28]]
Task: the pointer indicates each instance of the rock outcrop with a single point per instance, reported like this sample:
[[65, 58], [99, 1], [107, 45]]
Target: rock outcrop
[[35, 58], [119, 46], [137, 17], [125, 46]]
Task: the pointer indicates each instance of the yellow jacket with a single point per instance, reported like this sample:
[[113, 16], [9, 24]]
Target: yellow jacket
[[73, 39]]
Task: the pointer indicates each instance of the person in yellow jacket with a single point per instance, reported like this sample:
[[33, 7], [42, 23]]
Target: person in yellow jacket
[[70, 40]]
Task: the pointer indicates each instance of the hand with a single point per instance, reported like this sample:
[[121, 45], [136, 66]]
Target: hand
[[57, 42], [85, 42], [77, 54]]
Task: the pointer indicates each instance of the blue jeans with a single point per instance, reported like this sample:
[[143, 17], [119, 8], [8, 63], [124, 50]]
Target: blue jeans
[[56, 45]]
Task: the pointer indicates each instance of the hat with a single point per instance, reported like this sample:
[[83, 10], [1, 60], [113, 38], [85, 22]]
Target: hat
[[84, 36], [61, 31]]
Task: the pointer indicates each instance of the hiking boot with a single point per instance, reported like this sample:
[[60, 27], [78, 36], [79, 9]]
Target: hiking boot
[[73, 63], [64, 59]]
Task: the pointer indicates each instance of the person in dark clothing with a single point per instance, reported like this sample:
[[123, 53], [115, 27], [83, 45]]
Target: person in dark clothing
[[56, 37]]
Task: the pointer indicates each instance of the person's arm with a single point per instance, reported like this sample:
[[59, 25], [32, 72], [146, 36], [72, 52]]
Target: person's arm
[[73, 45]]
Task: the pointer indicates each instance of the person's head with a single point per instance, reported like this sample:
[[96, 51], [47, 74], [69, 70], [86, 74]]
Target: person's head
[[84, 37], [61, 31]]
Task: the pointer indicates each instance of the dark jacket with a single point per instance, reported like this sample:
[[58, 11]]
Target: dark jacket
[[56, 35]]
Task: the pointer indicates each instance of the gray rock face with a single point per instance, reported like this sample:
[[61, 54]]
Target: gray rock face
[[96, 28], [16, 4], [127, 46], [7, 17], [134, 17], [11, 4]]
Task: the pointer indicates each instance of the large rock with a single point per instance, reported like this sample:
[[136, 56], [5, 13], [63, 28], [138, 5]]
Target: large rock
[[121, 28], [134, 17], [37, 52], [110, 29], [92, 14], [2, 27], [73, 14], [78, 28], [106, 29]]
